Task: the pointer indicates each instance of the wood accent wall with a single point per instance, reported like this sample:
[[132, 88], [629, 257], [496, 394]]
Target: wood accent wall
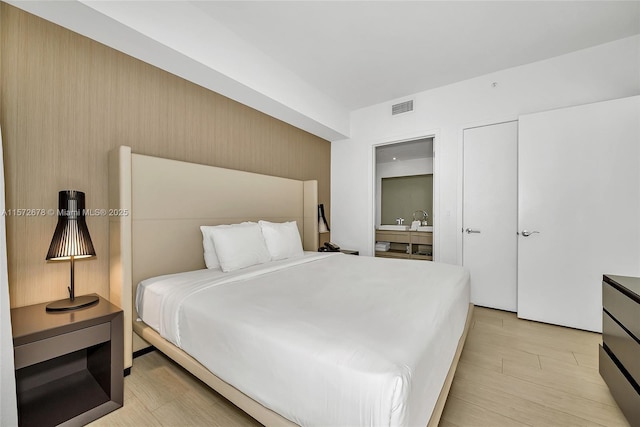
[[66, 100]]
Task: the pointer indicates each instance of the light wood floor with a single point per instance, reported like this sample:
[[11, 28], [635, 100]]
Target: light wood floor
[[512, 373]]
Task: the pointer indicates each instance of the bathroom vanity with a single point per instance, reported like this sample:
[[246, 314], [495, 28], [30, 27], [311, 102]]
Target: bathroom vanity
[[406, 244]]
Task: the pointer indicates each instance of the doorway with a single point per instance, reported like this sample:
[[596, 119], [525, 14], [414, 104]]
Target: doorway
[[404, 183]]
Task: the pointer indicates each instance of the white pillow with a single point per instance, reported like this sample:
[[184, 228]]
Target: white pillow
[[239, 246], [210, 256], [282, 239]]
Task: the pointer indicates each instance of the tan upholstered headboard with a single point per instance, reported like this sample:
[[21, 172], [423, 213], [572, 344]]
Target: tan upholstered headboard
[[158, 205]]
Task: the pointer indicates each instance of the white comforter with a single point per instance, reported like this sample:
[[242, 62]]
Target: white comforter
[[323, 340]]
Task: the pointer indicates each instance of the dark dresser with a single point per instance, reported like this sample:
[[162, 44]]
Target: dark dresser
[[620, 350]]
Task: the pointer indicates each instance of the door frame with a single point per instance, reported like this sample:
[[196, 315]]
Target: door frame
[[428, 133]]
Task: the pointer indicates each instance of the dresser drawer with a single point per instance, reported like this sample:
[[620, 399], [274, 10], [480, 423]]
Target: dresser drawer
[[620, 343], [625, 310], [625, 395]]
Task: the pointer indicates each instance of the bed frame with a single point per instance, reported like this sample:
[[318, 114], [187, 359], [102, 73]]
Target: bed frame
[[157, 206]]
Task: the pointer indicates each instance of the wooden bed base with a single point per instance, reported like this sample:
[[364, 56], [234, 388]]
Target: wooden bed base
[[166, 202], [444, 393]]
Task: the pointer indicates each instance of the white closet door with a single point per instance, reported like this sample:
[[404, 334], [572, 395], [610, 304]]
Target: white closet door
[[579, 187], [489, 213]]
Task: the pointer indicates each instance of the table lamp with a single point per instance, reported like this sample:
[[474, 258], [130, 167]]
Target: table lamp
[[323, 226], [71, 240]]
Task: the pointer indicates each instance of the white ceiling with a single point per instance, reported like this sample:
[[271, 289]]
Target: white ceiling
[[310, 63], [416, 149], [362, 52]]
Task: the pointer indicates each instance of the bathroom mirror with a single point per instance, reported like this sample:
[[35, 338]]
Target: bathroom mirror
[[403, 195]]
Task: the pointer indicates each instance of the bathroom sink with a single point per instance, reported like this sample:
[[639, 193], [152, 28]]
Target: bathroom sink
[[394, 227]]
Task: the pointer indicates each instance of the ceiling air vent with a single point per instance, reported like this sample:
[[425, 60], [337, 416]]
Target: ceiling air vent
[[403, 107]]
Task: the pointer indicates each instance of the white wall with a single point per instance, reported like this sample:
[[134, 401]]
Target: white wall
[[410, 167], [604, 72]]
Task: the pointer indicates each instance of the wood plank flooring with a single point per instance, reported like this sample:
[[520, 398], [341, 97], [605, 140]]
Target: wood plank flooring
[[512, 372]]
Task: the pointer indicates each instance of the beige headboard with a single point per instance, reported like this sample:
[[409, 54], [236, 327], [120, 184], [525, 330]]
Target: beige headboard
[[158, 205]]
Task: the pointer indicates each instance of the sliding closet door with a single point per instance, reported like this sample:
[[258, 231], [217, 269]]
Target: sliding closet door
[[489, 213], [579, 197]]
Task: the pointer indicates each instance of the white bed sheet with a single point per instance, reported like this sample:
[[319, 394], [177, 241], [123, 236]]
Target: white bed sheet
[[324, 339]]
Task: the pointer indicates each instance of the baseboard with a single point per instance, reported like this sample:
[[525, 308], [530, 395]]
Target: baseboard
[[139, 353], [143, 351]]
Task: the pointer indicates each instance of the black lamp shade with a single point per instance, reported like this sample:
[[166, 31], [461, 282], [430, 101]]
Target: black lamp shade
[[71, 238], [323, 226]]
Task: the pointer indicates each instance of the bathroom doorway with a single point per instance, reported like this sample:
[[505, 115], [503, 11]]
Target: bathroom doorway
[[404, 185]]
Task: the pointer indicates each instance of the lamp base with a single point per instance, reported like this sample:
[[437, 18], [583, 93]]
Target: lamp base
[[67, 304]]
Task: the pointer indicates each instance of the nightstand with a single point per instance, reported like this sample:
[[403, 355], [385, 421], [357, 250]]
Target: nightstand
[[69, 365]]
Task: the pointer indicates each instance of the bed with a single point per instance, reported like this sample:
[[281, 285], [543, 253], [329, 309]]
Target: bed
[[295, 341]]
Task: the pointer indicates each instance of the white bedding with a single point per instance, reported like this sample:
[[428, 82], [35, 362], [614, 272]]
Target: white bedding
[[324, 339]]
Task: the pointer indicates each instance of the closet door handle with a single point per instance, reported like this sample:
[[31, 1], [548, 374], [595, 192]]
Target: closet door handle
[[526, 233], [469, 231]]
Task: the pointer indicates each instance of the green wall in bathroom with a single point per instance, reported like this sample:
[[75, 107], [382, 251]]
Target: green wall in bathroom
[[401, 196]]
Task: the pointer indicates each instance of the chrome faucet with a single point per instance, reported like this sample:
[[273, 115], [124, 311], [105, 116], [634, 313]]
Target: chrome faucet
[[399, 221]]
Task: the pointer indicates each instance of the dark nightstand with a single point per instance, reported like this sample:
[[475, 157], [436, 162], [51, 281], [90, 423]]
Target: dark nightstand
[[349, 252], [69, 365]]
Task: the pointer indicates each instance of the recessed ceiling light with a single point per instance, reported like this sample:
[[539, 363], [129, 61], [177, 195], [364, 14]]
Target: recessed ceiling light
[[394, 158]]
